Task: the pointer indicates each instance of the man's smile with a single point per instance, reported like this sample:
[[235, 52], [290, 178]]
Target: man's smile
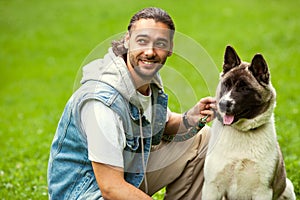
[[147, 62]]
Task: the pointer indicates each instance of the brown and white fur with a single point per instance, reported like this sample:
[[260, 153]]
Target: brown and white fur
[[244, 160]]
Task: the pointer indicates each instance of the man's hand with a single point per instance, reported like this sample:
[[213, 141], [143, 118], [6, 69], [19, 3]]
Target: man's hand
[[203, 108]]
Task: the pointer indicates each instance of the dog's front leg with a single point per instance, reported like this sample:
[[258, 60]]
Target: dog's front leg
[[210, 192], [288, 192], [263, 193]]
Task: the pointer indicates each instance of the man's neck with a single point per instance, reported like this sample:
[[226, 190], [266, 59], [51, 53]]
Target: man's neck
[[145, 89]]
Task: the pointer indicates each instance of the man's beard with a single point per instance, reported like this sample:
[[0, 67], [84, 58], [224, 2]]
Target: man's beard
[[139, 71]]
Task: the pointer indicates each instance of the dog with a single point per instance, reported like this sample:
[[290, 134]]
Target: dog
[[243, 159]]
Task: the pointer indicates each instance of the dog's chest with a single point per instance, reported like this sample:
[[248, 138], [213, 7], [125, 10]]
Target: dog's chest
[[238, 178], [236, 159], [229, 142]]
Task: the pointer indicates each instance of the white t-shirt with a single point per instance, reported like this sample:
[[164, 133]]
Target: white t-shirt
[[104, 130]]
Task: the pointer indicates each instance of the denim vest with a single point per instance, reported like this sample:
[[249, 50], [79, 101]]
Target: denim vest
[[70, 173]]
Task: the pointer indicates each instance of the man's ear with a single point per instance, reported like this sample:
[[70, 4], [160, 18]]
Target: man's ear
[[126, 40], [171, 50]]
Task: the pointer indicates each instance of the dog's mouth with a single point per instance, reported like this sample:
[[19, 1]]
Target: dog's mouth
[[228, 119]]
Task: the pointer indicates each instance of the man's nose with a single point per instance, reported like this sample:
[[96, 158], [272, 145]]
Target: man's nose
[[150, 51]]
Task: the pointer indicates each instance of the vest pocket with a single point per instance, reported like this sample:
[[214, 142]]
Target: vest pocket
[[86, 188], [132, 143]]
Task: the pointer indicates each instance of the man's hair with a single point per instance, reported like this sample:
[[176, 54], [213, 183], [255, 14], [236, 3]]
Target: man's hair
[[157, 14]]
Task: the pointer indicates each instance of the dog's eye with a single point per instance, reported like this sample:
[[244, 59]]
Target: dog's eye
[[242, 86], [243, 89], [228, 83]]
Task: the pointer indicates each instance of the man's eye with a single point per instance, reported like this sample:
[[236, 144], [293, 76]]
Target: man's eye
[[141, 41], [161, 45]]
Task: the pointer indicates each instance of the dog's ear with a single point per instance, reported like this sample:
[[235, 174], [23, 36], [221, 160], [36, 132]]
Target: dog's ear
[[259, 69], [231, 59]]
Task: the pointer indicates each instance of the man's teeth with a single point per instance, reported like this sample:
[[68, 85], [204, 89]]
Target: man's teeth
[[148, 62]]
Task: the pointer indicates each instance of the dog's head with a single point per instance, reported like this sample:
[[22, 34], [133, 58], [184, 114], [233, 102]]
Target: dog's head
[[245, 90]]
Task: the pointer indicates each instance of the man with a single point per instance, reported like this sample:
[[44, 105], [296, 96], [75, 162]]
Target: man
[[114, 139]]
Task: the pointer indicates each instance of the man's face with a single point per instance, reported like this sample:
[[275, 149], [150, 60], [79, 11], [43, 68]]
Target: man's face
[[149, 45]]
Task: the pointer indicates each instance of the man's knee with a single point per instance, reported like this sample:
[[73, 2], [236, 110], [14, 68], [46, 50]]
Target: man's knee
[[204, 135]]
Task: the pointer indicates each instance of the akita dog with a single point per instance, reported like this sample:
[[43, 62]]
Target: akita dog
[[244, 160]]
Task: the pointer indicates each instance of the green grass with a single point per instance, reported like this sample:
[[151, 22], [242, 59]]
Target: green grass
[[43, 45]]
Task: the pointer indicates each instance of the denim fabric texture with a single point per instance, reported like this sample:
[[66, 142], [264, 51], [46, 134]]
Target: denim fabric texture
[[70, 173]]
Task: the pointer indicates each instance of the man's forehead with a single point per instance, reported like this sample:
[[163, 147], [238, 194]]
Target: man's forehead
[[150, 32], [150, 27]]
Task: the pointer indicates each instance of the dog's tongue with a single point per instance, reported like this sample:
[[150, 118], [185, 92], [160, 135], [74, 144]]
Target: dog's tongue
[[228, 119]]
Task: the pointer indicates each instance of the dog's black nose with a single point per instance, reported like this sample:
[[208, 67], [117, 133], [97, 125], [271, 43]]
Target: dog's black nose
[[226, 105]]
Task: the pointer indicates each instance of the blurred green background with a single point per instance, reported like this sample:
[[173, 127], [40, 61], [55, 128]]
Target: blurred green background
[[44, 43]]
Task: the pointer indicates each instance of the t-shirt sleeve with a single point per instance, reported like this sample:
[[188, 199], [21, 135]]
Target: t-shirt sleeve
[[169, 112], [105, 134]]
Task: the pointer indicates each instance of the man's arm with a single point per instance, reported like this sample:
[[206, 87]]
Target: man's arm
[[113, 185], [105, 145], [174, 124]]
